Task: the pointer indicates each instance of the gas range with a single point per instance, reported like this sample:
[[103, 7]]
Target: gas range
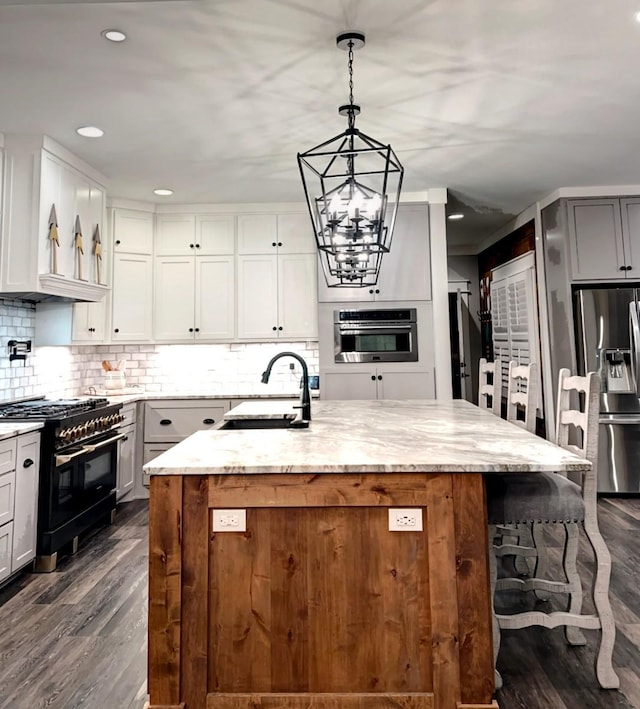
[[66, 421]]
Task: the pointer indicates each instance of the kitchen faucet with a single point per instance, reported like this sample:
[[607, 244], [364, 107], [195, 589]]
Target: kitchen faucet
[[305, 396]]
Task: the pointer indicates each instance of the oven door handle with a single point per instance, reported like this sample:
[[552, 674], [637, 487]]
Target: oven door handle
[[64, 459], [90, 449], [355, 329]]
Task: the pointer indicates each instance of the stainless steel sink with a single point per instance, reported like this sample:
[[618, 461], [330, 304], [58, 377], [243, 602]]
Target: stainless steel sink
[[242, 424]]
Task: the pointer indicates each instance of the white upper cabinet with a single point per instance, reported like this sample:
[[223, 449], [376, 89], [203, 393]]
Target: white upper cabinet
[[405, 271], [194, 235], [604, 239], [132, 231], [277, 269], [132, 294], [39, 174]]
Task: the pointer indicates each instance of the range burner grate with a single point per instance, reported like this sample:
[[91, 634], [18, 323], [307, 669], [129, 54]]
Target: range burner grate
[[50, 408]]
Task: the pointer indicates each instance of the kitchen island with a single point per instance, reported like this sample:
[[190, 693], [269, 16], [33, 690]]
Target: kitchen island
[[317, 605]]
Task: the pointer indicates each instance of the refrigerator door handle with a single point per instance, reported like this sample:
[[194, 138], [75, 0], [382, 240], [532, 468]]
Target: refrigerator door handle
[[634, 341], [620, 419]]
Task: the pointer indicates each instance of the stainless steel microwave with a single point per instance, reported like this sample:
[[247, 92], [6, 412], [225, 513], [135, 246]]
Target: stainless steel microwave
[[383, 335]]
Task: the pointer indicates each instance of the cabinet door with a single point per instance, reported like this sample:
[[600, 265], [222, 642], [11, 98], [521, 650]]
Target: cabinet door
[[26, 506], [171, 421], [149, 452], [175, 235], [132, 231], [215, 298], [89, 322], [349, 385], [7, 496], [6, 546], [405, 272], [631, 231], [595, 238], [257, 233], [257, 297], [215, 235], [295, 234], [126, 461], [297, 296], [173, 316], [405, 384], [131, 298]]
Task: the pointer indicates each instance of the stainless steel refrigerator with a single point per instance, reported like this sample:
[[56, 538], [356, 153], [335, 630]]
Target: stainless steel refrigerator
[[607, 341]]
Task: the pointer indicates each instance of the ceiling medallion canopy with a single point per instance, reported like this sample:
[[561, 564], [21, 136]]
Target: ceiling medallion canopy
[[352, 185]]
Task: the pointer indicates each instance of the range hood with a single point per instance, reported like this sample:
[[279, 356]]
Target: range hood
[[53, 287]]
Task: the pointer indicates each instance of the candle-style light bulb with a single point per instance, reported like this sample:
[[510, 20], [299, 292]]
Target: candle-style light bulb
[[334, 206]]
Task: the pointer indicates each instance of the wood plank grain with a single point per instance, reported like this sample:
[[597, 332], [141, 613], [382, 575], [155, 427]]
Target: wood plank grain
[[321, 701], [165, 569], [492, 705], [443, 592], [240, 607], [326, 490], [195, 592], [165, 706], [474, 607]]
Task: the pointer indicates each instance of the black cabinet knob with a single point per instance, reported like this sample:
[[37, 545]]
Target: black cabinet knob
[[371, 290], [279, 243], [379, 377], [280, 328], [377, 290], [166, 422], [126, 438], [208, 422], [197, 246], [117, 242], [197, 329], [273, 243], [373, 377], [629, 268], [117, 329], [274, 327], [622, 268], [190, 246], [190, 329], [27, 463]]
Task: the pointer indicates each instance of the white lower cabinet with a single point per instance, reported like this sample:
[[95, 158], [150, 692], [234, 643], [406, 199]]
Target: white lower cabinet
[[378, 383], [126, 461], [6, 546], [26, 504]]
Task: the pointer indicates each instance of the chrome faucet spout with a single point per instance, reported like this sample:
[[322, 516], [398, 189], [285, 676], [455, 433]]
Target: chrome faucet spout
[[305, 394]]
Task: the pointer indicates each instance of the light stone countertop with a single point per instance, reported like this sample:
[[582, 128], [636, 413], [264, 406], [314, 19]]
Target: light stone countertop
[[372, 436], [168, 395], [8, 430]]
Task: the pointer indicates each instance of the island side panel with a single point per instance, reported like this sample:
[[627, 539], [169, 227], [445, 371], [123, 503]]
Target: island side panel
[[471, 534], [195, 590], [443, 594], [165, 569]]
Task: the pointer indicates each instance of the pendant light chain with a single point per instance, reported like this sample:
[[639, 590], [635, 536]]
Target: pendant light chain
[[352, 117]]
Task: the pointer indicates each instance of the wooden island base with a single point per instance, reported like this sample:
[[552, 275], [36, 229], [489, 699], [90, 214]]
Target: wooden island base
[[317, 605]]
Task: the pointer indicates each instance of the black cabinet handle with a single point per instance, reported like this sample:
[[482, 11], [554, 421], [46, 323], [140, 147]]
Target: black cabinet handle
[[629, 268], [273, 243], [190, 329], [197, 329], [197, 246], [190, 246], [279, 243], [117, 242], [371, 291], [208, 422], [280, 328], [379, 377], [377, 290], [274, 327], [126, 438], [166, 422], [27, 463], [117, 329], [622, 268], [373, 377]]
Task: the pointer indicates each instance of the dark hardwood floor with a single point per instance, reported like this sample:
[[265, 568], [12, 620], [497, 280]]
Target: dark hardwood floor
[[76, 638]]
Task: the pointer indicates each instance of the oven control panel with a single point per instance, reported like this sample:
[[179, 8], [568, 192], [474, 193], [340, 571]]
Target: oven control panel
[[83, 430]]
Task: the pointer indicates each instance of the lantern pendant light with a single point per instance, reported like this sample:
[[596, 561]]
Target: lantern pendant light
[[352, 186]]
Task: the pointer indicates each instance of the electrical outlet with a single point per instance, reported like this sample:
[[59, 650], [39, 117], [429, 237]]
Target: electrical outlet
[[229, 520], [405, 519]]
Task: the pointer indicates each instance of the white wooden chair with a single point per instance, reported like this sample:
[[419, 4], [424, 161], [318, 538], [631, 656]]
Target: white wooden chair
[[490, 386], [522, 395], [551, 498]]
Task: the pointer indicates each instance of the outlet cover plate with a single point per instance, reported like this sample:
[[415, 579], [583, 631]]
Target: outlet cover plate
[[405, 519], [229, 520]]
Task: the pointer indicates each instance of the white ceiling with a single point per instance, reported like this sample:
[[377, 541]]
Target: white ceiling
[[501, 101]]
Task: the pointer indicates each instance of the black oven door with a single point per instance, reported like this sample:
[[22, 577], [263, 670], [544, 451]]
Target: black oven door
[[376, 343], [81, 477]]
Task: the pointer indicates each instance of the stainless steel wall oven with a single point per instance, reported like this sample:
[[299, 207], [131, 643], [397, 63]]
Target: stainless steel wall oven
[[376, 335]]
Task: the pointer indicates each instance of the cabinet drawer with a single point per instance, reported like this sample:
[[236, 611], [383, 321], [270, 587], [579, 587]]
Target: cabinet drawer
[[129, 413], [6, 544], [170, 422], [151, 451], [7, 496], [7, 455]]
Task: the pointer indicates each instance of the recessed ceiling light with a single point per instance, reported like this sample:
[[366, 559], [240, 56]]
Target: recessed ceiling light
[[161, 192], [90, 132], [455, 217], [114, 35]]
